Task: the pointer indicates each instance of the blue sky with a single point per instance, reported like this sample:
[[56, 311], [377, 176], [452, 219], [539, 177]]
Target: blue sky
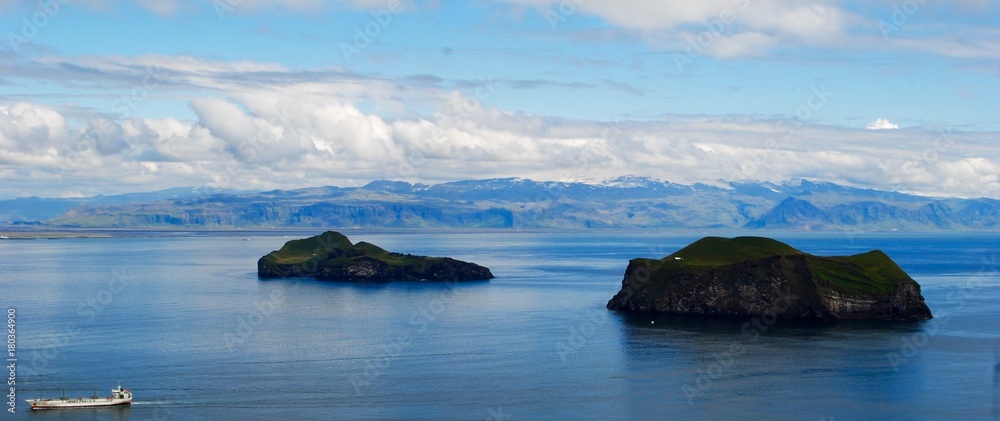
[[103, 97]]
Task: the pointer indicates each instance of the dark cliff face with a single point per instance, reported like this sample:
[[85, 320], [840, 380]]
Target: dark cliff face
[[789, 286], [375, 270], [331, 256]]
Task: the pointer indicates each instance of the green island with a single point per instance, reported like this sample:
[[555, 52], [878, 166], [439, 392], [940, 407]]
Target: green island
[[332, 256], [756, 276]]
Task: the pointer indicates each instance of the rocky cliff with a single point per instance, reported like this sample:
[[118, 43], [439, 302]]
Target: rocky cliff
[[753, 276], [332, 256]]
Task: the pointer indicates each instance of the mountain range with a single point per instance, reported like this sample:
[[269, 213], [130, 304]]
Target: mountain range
[[513, 203]]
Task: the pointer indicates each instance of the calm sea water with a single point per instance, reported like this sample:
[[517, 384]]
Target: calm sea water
[[187, 326]]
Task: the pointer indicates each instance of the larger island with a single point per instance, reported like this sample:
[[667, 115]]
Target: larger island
[[332, 256], [755, 276]]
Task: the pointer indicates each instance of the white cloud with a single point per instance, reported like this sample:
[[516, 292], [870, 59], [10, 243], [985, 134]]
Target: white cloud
[[30, 128], [720, 28], [882, 124], [287, 143], [260, 125], [160, 7], [753, 28]]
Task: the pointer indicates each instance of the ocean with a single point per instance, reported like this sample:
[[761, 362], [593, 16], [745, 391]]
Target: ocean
[[184, 322]]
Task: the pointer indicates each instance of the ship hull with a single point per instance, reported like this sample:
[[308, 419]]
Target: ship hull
[[76, 403]]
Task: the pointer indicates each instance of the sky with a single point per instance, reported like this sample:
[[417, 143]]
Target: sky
[[108, 97]]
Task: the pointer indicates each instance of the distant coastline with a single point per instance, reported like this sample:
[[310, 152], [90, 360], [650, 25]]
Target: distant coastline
[[20, 233], [56, 233], [519, 204]]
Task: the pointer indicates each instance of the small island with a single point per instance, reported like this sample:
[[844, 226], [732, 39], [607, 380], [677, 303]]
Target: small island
[[755, 276], [332, 256]]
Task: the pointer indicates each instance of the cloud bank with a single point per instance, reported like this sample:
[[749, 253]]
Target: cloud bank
[[265, 140]]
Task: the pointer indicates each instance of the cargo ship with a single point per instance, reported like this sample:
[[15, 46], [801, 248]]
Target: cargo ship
[[118, 396]]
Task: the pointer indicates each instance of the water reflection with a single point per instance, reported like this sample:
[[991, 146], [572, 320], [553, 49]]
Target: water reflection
[[691, 363]]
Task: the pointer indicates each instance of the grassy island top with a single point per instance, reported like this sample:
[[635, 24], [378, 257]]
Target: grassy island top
[[870, 273], [298, 251], [712, 252], [332, 248]]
